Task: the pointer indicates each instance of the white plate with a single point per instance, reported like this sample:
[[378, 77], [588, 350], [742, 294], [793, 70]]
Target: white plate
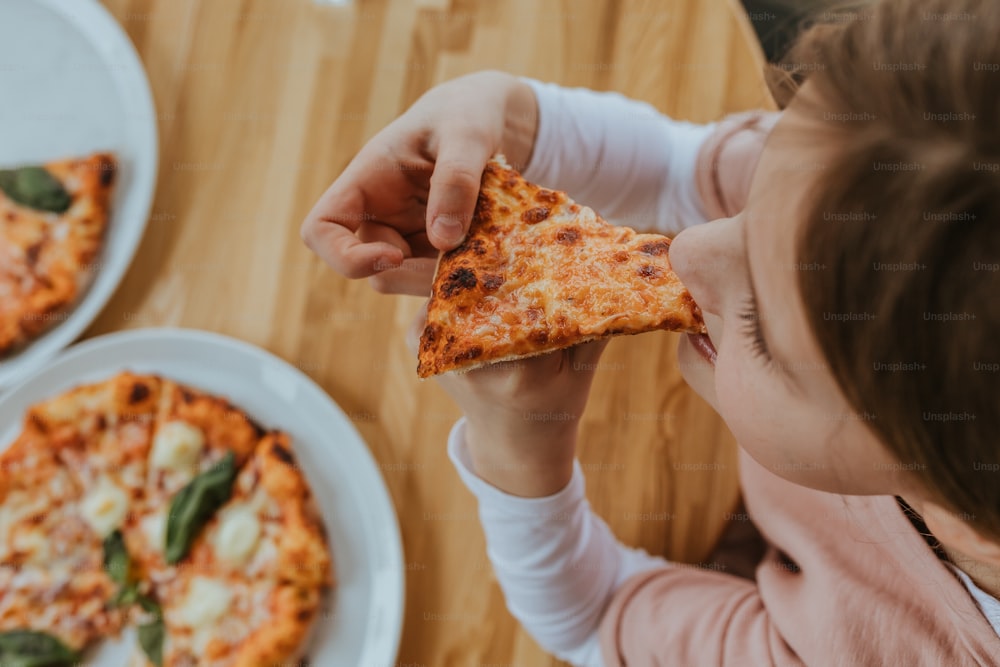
[[73, 84], [362, 623]]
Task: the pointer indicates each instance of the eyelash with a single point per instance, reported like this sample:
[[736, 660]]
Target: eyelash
[[751, 328]]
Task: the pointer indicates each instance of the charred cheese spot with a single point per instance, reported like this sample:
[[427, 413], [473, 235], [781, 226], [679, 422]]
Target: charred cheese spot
[[492, 282], [547, 196], [258, 430], [568, 236], [535, 215], [655, 247], [462, 278], [282, 454], [31, 253], [484, 205], [473, 352], [541, 336], [107, 168], [140, 392], [621, 256], [476, 246], [650, 271]]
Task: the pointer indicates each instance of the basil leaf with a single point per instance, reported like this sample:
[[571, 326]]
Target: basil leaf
[[126, 596], [116, 559], [195, 504], [152, 634], [36, 188], [28, 648]]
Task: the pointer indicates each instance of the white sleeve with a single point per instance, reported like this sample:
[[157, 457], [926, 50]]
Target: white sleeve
[[623, 158], [557, 563]]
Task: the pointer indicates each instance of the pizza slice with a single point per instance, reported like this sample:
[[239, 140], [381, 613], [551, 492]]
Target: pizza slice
[[52, 226], [194, 434], [538, 272], [251, 588]]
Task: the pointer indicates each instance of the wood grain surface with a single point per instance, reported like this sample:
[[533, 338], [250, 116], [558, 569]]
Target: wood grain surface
[[262, 103]]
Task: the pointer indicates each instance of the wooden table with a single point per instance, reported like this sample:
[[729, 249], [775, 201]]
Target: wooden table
[[262, 103]]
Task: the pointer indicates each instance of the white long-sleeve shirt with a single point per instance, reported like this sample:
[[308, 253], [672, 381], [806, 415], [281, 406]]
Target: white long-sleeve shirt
[[620, 157], [558, 564]]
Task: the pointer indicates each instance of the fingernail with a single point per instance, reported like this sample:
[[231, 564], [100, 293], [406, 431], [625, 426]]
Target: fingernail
[[448, 228]]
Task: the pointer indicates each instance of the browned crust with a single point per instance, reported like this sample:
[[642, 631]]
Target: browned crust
[[517, 229], [304, 557], [226, 428], [304, 570], [283, 638], [46, 271]]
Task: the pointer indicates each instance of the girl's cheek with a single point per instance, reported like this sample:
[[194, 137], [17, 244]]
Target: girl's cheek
[[736, 398]]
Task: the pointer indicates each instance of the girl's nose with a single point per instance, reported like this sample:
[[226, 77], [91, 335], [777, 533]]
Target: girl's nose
[[708, 260]]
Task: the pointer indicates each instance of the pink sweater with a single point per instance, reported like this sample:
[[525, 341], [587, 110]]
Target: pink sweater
[[858, 586]]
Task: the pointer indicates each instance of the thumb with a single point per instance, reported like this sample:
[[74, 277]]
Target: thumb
[[455, 182], [586, 355], [417, 328]]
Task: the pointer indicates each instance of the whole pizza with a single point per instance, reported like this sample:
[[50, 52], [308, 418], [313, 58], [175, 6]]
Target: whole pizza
[[53, 219], [140, 501]]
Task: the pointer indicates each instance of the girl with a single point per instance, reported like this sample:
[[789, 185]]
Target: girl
[[849, 291]]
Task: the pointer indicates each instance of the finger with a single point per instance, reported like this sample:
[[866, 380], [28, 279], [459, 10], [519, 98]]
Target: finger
[[333, 238], [586, 355], [417, 329], [420, 245], [458, 171], [411, 276], [375, 232], [346, 254]]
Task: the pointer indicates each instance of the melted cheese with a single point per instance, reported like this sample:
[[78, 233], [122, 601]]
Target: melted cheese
[[154, 529], [33, 542], [177, 446], [237, 535], [207, 602], [105, 507]]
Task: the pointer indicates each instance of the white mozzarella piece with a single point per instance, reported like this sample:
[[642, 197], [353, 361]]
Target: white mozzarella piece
[[177, 446], [105, 507], [33, 542], [237, 535], [206, 601], [154, 529]]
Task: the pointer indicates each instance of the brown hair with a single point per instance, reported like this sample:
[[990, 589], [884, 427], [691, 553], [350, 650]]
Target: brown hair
[[906, 218]]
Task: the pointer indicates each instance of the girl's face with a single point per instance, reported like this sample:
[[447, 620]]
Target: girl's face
[[770, 382]]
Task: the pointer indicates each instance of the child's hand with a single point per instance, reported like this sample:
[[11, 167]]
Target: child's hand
[[412, 189], [522, 416]]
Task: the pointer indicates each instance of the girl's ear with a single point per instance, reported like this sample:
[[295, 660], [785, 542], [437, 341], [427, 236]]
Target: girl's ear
[[957, 532]]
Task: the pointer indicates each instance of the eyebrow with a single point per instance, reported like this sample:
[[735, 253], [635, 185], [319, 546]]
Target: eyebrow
[[784, 368]]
